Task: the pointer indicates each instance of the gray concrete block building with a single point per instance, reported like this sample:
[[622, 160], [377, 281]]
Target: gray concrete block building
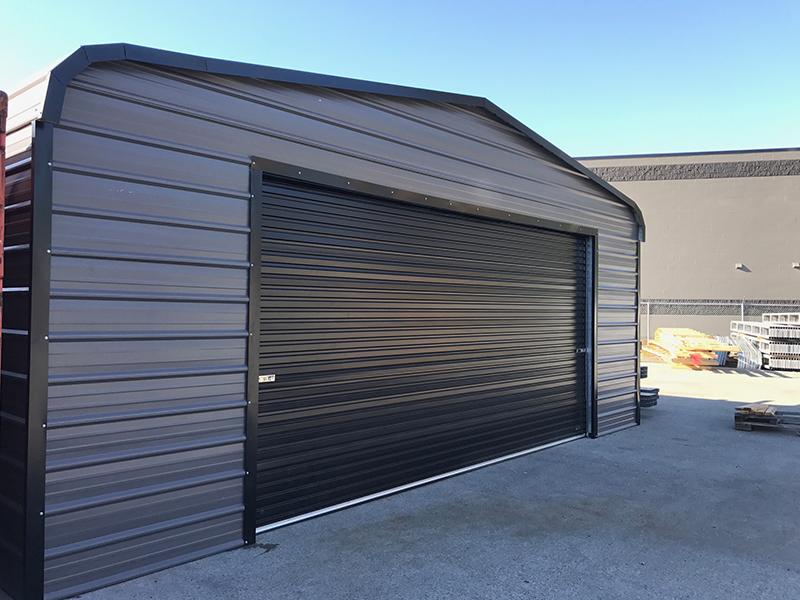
[[723, 233], [237, 296]]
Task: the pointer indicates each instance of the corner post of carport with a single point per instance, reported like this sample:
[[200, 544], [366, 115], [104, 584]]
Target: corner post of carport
[[253, 327], [38, 332]]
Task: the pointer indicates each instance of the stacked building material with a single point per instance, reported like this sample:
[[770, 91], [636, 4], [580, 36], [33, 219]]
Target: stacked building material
[[766, 416], [690, 347], [648, 397], [772, 343], [789, 318]]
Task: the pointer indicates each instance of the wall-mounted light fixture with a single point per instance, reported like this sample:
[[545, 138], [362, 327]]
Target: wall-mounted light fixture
[[796, 265]]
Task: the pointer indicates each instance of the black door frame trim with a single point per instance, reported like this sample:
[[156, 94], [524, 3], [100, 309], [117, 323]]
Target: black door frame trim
[[306, 175], [592, 278], [638, 333], [251, 410], [260, 167]]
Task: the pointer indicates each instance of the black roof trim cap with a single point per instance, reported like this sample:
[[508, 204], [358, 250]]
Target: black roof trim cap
[[504, 116], [85, 56], [104, 52]]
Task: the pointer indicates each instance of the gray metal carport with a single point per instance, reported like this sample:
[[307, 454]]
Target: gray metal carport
[[147, 268]]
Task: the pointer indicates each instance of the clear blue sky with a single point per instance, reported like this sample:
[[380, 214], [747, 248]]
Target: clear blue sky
[[594, 77]]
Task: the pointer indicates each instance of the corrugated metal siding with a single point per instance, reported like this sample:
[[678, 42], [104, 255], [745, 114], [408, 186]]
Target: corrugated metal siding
[[15, 369], [19, 142], [25, 104], [617, 334], [407, 342], [147, 361], [430, 148], [135, 139]]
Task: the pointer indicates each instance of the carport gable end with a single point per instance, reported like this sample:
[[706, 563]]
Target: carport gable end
[[151, 349], [87, 56]]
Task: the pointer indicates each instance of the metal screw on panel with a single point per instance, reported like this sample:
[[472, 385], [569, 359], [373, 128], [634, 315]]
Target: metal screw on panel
[[44, 425], [41, 514], [392, 192], [49, 164], [299, 172], [47, 337], [48, 251]]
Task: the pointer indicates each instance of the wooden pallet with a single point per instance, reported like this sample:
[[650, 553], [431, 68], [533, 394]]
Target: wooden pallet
[[767, 416]]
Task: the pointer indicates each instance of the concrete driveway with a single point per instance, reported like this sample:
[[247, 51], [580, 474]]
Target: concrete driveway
[[682, 507]]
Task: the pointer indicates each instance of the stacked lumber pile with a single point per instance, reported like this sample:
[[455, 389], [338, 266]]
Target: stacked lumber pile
[[683, 346], [772, 343], [766, 416]]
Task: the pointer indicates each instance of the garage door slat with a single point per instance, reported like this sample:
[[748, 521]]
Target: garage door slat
[[407, 342]]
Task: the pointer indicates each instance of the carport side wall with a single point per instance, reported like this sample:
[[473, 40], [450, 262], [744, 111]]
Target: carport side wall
[[15, 424], [150, 197], [21, 431], [147, 351]]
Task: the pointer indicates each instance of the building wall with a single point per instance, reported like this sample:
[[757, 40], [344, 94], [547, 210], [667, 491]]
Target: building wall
[[150, 177], [705, 213], [147, 365], [24, 106], [15, 370]]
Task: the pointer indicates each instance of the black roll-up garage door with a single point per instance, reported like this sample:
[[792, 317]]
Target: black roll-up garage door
[[407, 342]]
